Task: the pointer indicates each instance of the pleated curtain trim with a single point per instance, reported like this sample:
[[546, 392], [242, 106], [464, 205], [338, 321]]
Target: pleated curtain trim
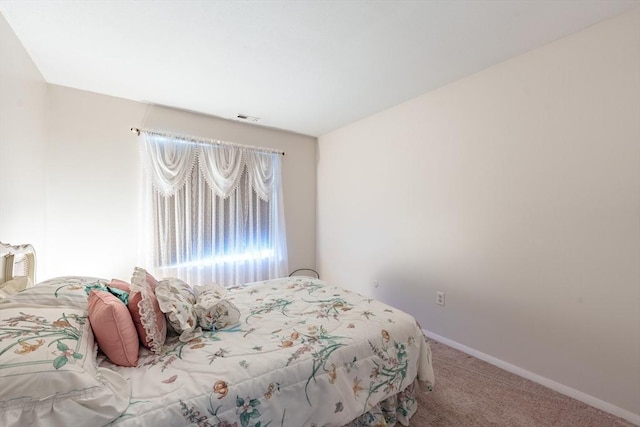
[[169, 164]]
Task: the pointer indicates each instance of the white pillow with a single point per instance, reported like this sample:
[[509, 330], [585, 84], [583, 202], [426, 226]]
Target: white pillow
[[213, 311], [48, 370], [67, 291], [176, 300], [14, 286]]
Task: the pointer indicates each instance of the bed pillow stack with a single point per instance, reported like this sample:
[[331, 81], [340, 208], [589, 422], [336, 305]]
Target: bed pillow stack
[[120, 326], [122, 322]]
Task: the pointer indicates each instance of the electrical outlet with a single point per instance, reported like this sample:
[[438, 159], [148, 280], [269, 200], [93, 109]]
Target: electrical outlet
[[440, 298]]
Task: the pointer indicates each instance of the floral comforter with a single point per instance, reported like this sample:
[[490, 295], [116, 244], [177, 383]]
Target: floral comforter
[[305, 353]]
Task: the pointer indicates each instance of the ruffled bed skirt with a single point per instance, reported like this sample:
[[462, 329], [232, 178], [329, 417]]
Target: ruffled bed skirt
[[392, 410]]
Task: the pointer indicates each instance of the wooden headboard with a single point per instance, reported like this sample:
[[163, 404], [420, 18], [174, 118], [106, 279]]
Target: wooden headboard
[[17, 261]]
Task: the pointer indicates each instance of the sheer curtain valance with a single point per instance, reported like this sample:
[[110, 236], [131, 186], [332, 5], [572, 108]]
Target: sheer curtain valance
[[212, 213], [170, 162]]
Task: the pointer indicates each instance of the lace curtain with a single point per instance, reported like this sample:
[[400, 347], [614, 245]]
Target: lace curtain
[[212, 213]]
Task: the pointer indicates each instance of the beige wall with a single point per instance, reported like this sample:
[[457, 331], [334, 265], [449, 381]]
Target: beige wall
[[92, 184], [22, 140], [516, 191]]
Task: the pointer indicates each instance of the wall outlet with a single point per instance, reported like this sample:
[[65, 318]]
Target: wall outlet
[[440, 298]]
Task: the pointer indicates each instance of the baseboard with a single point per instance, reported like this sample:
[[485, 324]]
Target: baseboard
[[553, 385]]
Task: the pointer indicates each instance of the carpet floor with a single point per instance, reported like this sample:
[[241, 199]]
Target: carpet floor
[[470, 392]]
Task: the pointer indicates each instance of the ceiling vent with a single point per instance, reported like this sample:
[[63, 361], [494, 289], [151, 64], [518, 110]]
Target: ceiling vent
[[247, 118]]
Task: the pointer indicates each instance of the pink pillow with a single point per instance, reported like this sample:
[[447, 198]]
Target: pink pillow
[[151, 281], [124, 286], [120, 284], [113, 328], [134, 301], [145, 310]]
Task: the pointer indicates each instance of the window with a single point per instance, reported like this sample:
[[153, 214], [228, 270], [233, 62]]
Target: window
[[213, 212]]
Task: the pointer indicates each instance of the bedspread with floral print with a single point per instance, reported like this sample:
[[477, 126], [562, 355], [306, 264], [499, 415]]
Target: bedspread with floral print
[[304, 353]]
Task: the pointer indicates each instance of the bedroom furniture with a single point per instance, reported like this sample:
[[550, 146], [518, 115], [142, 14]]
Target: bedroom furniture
[[303, 353], [17, 268]]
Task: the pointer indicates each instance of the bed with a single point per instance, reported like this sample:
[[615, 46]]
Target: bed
[[302, 353]]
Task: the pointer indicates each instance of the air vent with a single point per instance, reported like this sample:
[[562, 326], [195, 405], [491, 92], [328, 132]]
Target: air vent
[[247, 118]]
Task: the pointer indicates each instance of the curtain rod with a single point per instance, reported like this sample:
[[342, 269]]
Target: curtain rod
[[198, 140]]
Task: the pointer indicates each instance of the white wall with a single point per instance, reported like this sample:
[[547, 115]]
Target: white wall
[[92, 184], [22, 141], [516, 191], [93, 179]]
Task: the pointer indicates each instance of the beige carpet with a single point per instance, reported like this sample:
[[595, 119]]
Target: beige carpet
[[470, 392]]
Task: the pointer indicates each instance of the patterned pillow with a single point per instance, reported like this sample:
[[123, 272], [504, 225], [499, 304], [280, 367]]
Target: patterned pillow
[[176, 300], [113, 328], [67, 291], [48, 368], [145, 311], [213, 311]]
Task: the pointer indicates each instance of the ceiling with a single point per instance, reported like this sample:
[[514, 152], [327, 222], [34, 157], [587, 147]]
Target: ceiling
[[303, 66]]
